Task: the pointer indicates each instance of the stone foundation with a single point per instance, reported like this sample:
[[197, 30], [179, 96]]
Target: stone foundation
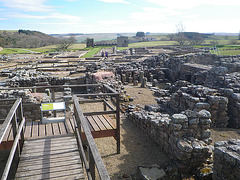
[[226, 164], [184, 137]]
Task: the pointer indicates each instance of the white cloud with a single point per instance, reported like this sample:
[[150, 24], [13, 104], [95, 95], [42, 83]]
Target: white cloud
[[52, 16], [28, 5], [115, 1], [154, 14], [112, 22], [187, 4]]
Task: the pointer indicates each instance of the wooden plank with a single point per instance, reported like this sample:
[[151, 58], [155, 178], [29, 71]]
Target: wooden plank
[[90, 126], [105, 122], [28, 129], [42, 129], [47, 166], [64, 157], [99, 113], [34, 129], [110, 121], [70, 173], [69, 126], [62, 128], [93, 123], [99, 123], [55, 129], [49, 130], [106, 133]]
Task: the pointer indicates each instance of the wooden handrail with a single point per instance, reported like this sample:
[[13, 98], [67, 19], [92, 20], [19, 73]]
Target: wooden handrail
[[14, 114], [13, 151], [94, 156], [9, 118]]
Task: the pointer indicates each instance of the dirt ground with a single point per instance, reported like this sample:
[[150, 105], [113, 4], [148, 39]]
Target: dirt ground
[[137, 148]]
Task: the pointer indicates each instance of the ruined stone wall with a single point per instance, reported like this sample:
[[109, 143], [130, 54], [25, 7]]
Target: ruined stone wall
[[232, 63], [226, 160], [185, 137], [31, 110], [233, 107], [43, 80], [197, 98], [203, 58]]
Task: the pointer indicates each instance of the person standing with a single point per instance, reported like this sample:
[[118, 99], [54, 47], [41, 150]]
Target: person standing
[[106, 54]]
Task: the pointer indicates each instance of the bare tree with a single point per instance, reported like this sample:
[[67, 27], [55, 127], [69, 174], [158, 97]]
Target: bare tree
[[66, 42], [214, 42], [180, 37]]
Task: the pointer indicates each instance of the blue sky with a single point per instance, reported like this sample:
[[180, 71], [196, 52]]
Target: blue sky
[[118, 16]]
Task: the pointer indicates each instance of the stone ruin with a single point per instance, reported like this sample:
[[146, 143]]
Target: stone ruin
[[185, 137], [226, 160], [122, 41], [90, 42], [194, 93]]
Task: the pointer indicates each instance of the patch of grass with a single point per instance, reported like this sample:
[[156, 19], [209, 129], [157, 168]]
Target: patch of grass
[[91, 52], [230, 52], [148, 44], [78, 46], [14, 51]]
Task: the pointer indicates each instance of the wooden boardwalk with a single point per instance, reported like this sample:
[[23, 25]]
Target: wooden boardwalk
[[50, 157], [34, 129], [100, 126]]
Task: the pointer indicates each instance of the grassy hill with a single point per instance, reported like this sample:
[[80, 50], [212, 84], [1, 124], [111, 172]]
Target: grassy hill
[[25, 39]]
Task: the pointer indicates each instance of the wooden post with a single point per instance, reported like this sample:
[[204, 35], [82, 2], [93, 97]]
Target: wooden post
[[118, 122], [15, 129], [104, 99], [21, 119], [54, 99], [91, 164]]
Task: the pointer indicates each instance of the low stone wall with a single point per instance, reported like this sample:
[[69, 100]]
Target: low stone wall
[[226, 160], [185, 137], [233, 107], [31, 103]]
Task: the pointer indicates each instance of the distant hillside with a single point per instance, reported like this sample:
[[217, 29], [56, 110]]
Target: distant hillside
[[97, 36], [25, 39]]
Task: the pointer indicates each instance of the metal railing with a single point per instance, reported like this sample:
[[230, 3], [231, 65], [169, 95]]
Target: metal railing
[[15, 116]]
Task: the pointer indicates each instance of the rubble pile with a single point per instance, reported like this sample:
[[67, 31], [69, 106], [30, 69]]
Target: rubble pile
[[185, 137]]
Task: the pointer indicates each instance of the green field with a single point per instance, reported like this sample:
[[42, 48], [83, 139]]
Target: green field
[[14, 51], [92, 52], [224, 46]]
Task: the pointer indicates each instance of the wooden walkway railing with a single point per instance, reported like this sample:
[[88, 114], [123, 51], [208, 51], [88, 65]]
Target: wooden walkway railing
[[93, 158], [15, 116], [107, 109]]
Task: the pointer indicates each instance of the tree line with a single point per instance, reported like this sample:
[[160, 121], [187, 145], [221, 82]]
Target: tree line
[[32, 39]]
